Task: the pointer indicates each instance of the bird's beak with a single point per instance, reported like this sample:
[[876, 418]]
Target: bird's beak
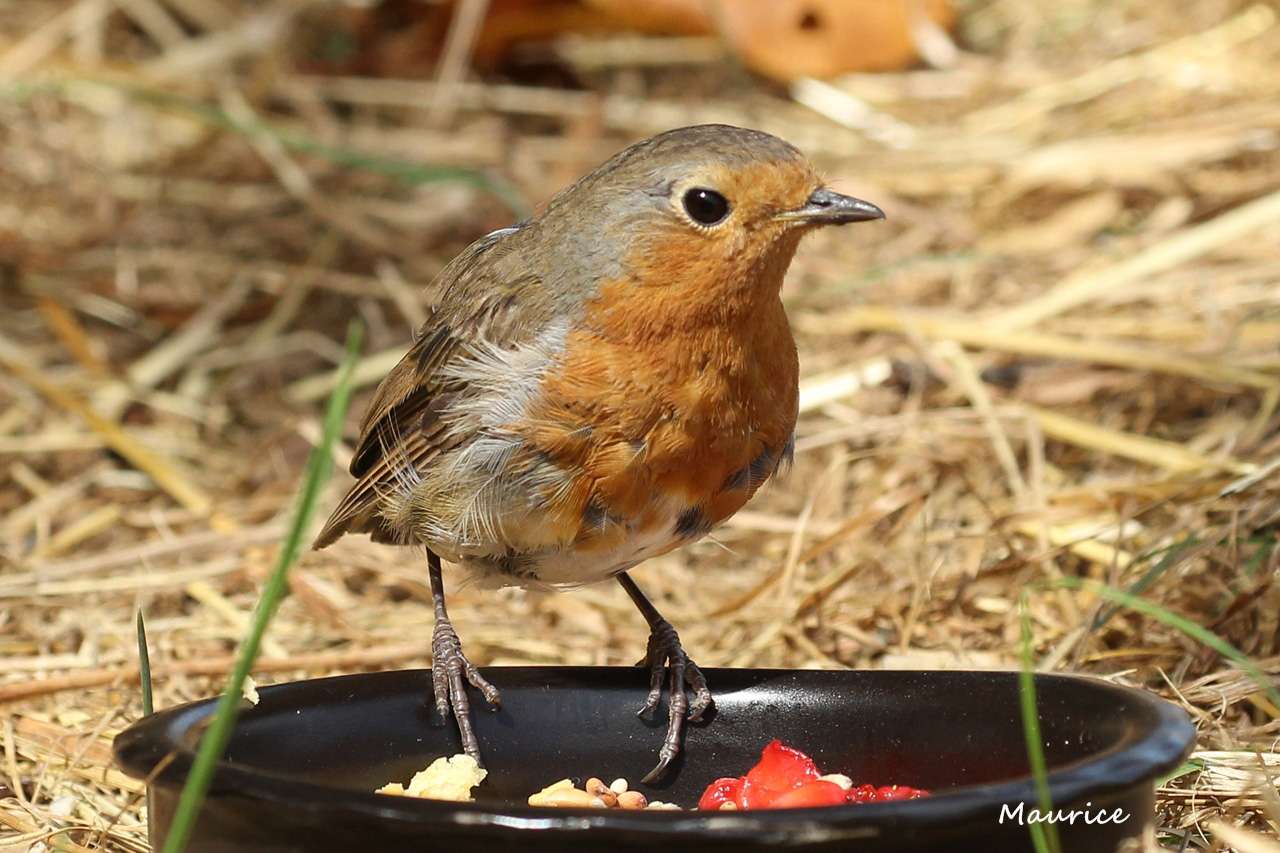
[[827, 207]]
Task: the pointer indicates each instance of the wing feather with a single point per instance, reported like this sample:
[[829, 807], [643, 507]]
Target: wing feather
[[402, 431]]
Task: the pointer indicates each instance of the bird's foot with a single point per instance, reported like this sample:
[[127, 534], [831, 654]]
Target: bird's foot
[[665, 653], [449, 668]]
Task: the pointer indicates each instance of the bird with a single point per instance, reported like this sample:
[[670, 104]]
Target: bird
[[597, 385]]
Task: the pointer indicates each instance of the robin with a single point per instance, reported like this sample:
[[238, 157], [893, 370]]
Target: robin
[[598, 385]]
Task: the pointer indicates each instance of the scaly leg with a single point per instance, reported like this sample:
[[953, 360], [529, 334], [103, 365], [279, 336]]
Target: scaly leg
[[449, 666], [664, 648]]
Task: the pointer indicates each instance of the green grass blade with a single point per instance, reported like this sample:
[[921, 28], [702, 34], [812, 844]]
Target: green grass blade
[[1043, 835], [1040, 838], [1179, 623], [1266, 544], [1046, 841], [144, 667], [1191, 765], [214, 741], [1172, 556]]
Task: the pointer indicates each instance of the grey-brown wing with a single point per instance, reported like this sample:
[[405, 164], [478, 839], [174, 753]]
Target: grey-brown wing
[[482, 298]]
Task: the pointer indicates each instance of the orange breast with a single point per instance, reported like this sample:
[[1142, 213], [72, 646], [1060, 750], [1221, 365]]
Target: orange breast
[[648, 423]]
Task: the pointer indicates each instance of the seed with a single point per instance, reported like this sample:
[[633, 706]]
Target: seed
[[597, 803], [598, 788], [728, 806], [632, 800], [618, 786]]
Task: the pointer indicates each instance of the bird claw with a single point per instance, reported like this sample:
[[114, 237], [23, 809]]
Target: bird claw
[[665, 653], [451, 672]]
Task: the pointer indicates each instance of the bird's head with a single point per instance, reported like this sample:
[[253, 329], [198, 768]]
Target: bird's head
[[711, 209]]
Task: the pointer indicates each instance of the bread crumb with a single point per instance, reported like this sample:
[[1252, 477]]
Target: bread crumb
[[449, 778], [563, 794]]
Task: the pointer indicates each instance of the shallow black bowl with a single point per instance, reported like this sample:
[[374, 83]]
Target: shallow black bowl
[[302, 765]]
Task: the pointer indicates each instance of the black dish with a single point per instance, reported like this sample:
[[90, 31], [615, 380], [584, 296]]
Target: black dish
[[302, 764]]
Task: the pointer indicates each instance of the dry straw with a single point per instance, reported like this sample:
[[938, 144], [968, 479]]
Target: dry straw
[[1059, 360]]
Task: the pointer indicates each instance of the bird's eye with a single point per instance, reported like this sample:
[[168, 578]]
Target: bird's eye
[[704, 206]]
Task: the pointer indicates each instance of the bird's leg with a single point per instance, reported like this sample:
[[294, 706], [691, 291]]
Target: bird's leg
[[664, 648], [449, 666]]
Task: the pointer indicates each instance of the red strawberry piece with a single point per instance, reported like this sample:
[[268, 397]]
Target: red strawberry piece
[[862, 794], [810, 794], [905, 792], [721, 791], [884, 794], [780, 769]]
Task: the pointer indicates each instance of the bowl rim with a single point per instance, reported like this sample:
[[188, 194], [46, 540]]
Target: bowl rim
[[1135, 759]]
